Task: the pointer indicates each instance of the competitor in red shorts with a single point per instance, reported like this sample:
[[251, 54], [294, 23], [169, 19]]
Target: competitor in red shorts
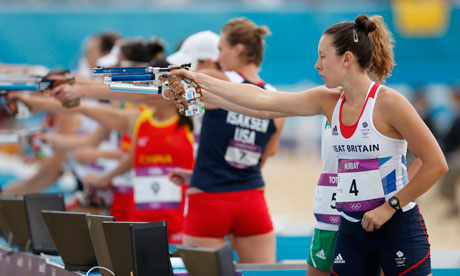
[[226, 194]]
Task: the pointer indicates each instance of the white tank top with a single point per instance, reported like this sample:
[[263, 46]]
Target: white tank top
[[371, 166], [324, 205]]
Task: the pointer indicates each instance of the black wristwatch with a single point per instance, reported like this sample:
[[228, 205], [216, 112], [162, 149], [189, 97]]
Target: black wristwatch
[[394, 202]]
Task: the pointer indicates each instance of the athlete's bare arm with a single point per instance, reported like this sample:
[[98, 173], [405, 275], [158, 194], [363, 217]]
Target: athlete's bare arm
[[310, 102], [67, 92], [74, 141], [213, 101], [274, 142]]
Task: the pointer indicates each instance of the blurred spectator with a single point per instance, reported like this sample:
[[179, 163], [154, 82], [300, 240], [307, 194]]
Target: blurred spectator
[[52, 167], [98, 46], [420, 103], [137, 52], [133, 53], [448, 188]]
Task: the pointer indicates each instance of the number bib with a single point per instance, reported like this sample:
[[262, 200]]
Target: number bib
[[360, 185], [123, 184], [242, 155], [153, 190], [324, 205]]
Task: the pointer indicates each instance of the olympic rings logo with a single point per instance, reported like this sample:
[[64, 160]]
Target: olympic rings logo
[[334, 219], [355, 206]]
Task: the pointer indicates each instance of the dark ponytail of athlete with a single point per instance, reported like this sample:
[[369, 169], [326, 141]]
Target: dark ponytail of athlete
[[369, 40], [185, 121]]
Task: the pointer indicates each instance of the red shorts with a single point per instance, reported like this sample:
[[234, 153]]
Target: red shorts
[[174, 217], [243, 213], [121, 205]]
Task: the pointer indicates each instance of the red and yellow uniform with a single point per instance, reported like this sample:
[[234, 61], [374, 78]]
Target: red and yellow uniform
[[160, 146]]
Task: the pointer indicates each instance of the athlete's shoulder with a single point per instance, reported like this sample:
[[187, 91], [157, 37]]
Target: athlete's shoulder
[[328, 94], [333, 92], [234, 76], [392, 104], [390, 98], [385, 90], [322, 98]]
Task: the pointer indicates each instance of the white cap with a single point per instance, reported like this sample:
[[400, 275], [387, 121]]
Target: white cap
[[200, 46], [111, 59]]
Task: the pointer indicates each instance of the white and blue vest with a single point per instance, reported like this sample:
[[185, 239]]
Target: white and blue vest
[[371, 166]]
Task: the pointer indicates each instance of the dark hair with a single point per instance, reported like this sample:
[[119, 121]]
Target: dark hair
[[251, 36], [369, 40], [185, 121], [107, 41], [156, 48], [135, 50], [160, 63]]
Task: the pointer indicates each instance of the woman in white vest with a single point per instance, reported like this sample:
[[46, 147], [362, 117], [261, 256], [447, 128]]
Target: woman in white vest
[[372, 126]]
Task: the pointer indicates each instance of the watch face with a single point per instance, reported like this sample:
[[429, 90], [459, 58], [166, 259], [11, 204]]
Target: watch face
[[393, 202]]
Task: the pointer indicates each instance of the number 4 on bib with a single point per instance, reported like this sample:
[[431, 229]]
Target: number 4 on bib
[[354, 188]]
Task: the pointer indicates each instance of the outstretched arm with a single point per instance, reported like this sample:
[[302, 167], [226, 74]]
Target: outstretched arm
[[98, 90], [37, 102], [75, 141], [213, 101], [109, 117], [307, 103], [222, 103]]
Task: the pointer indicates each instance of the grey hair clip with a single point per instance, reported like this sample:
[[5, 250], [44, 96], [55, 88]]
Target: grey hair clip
[[355, 36]]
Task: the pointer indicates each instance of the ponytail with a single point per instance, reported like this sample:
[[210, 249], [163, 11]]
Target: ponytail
[[369, 40], [185, 121], [382, 56]]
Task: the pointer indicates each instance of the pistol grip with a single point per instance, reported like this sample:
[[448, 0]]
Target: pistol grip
[[72, 103]]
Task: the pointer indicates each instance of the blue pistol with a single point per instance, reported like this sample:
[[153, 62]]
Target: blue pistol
[[20, 82], [154, 80], [137, 79]]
